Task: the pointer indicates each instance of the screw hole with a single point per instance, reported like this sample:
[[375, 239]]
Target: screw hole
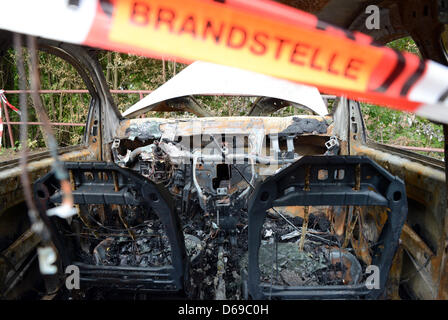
[[264, 196], [41, 194], [397, 196]]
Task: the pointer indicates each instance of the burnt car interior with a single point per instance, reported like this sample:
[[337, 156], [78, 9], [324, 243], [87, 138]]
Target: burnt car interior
[[244, 207]]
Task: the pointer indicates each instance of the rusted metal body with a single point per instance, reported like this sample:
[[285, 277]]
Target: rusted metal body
[[425, 187], [13, 257], [196, 160], [411, 148], [10, 187], [130, 128], [309, 137]]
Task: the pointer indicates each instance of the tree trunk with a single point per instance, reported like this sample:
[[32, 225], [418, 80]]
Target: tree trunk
[[52, 110], [41, 127], [60, 105], [163, 71], [116, 71], [108, 66]]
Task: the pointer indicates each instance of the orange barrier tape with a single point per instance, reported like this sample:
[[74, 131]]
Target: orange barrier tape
[[270, 38]]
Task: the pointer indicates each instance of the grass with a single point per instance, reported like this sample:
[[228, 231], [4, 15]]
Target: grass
[[402, 128]]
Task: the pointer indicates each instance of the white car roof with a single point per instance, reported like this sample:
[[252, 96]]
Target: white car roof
[[204, 78]]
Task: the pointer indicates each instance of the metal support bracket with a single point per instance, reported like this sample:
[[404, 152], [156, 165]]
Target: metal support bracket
[[374, 187], [107, 183]]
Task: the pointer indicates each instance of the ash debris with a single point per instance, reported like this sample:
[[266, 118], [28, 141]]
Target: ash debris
[[204, 282], [214, 275], [282, 263], [150, 249], [138, 239]]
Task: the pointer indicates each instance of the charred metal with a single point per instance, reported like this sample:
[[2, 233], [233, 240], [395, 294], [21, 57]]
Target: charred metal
[[257, 206]]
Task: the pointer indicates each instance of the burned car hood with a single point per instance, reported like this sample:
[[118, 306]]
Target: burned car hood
[[203, 78]]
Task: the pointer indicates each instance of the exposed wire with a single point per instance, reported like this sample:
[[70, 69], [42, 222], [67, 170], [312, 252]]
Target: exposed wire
[[60, 173], [35, 221], [114, 229], [283, 217]]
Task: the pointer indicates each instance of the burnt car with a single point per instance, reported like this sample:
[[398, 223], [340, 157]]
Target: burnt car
[[255, 206]]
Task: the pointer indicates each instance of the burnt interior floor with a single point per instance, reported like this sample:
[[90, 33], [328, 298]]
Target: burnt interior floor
[[218, 259]]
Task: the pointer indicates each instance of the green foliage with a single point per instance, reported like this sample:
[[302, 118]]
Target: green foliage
[[405, 44], [402, 128], [55, 74], [132, 72]]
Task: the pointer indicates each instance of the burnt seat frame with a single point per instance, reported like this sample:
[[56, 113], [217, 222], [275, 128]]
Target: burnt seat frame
[[91, 187], [377, 187]]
